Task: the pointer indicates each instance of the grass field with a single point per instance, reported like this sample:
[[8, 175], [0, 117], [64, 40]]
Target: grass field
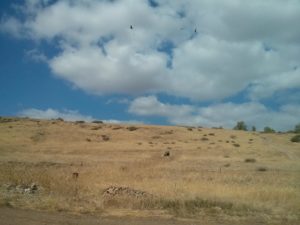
[[125, 170]]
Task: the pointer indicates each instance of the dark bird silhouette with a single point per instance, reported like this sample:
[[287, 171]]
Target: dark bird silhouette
[[195, 30], [131, 27]]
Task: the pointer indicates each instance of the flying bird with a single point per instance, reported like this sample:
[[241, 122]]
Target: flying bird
[[131, 27], [195, 30]]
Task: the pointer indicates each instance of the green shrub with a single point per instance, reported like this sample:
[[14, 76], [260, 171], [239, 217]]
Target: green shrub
[[97, 121], [131, 128], [250, 160], [269, 130], [296, 138], [261, 169]]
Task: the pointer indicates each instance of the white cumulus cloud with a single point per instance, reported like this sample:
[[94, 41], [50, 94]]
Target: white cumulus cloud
[[222, 114], [239, 45], [68, 115]]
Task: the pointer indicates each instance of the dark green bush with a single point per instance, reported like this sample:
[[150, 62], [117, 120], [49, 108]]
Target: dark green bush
[[97, 121], [240, 126], [296, 138], [132, 128], [269, 130], [250, 160]]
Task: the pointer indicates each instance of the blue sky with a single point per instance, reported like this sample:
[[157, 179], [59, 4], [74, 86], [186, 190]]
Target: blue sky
[[80, 60]]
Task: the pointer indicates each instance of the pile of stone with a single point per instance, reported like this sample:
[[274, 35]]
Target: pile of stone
[[115, 191], [22, 188]]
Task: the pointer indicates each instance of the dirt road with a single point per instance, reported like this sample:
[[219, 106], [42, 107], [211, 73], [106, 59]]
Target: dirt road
[[10, 216]]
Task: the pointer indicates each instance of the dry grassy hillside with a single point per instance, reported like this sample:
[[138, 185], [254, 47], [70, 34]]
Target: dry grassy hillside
[[149, 170]]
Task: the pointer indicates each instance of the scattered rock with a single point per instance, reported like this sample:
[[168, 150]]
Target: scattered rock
[[22, 188], [115, 191], [216, 209], [96, 128], [105, 137], [34, 187]]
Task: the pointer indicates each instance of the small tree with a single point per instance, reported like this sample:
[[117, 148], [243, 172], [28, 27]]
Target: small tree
[[269, 130], [240, 126], [253, 128]]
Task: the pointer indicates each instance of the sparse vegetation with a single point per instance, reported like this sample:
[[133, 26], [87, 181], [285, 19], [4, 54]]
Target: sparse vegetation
[[7, 120], [79, 122], [155, 137], [196, 178], [218, 128], [38, 136]]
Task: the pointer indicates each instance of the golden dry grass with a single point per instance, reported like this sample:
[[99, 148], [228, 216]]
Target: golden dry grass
[[205, 174]]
